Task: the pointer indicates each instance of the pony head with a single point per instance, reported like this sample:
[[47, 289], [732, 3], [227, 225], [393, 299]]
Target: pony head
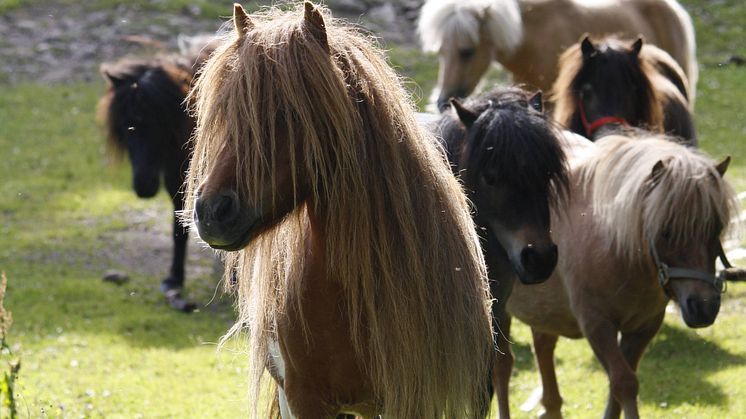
[[145, 115], [513, 168], [604, 84], [659, 203], [467, 35]]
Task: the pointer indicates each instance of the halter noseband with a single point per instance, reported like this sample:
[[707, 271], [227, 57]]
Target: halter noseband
[[666, 273], [591, 127]]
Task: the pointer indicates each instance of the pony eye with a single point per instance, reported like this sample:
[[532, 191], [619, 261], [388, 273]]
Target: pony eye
[[666, 235], [466, 54]]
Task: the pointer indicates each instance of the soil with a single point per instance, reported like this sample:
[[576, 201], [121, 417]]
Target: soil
[[56, 42]]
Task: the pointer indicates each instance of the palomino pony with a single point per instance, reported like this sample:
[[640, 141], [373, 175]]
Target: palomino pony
[[360, 278], [527, 36], [512, 165], [643, 225], [613, 83]]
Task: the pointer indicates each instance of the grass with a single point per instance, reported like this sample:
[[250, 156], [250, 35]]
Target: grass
[[92, 349]]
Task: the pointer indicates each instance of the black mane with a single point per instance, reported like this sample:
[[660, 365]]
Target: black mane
[[510, 140], [148, 95]]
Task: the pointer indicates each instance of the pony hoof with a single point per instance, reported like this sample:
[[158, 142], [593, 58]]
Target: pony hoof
[[116, 277], [175, 300]]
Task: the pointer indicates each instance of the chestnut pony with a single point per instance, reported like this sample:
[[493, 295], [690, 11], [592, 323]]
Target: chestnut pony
[[643, 225], [527, 36], [360, 279], [613, 83], [510, 159]]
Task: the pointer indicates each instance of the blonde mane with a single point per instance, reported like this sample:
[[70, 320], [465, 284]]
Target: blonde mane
[[688, 198], [459, 22], [397, 231]]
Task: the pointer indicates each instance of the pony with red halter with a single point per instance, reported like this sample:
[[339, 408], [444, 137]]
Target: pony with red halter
[[614, 83], [527, 36], [360, 279]]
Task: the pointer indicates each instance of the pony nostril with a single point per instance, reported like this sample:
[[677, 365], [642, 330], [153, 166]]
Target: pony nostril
[[539, 263], [226, 208], [692, 306]]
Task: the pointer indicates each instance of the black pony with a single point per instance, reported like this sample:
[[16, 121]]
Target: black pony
[[509, 158], [615, 83], [146, 116]]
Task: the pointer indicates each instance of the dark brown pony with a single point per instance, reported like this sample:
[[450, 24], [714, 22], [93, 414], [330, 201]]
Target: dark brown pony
[[360, 278], [146, 118], [509, 157], [643, 225], [611, 83]]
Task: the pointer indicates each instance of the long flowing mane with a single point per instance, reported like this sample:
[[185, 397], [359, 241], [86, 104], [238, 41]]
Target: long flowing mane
[[635, 73], [397, 233], [689, 199], [460, 22], [152, 87]]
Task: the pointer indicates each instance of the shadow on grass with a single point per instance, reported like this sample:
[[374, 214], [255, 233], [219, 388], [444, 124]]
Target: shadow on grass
[[676, 366], [53, 301]]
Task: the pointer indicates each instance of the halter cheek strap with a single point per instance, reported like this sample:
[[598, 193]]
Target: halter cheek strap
[[666, 273], [591, 127]]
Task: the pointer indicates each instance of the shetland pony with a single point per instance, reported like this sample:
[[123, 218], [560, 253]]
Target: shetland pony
[[146, 118], [613, 83], [643, 225], [527, 36], [510, 160], [360, 278]]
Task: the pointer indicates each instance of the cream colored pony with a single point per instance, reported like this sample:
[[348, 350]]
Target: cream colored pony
[[527, 36], [643, 225]]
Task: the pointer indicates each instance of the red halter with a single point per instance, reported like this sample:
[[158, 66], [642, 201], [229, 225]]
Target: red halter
[[591, 127]]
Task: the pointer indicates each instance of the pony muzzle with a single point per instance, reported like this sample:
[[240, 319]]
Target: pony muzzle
[[537, 263], [222, 222], [146, 185]]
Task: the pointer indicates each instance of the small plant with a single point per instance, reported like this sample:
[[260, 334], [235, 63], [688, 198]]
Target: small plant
[[9, 372]]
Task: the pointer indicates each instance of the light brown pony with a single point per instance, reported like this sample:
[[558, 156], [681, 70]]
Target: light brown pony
[[527, 36], [643, 225], [607, 83], [360, 278]]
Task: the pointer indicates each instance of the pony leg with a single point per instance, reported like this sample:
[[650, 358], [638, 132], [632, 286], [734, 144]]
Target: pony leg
[[633, 346], [503, 367], [623, 384], [544, 345]]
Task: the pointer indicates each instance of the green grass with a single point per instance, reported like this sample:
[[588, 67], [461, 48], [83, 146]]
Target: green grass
[[92, 349]]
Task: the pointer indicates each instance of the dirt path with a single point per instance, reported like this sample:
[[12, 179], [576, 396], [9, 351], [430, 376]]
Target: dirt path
[[53, 43]]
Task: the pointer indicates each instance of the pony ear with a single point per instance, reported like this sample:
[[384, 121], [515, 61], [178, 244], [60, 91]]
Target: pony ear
[[110, 78], [658, 170], [314, 23], [466, 116], [723, 166], [241, 20], [587, 47], [637, 45], [537, 101]]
